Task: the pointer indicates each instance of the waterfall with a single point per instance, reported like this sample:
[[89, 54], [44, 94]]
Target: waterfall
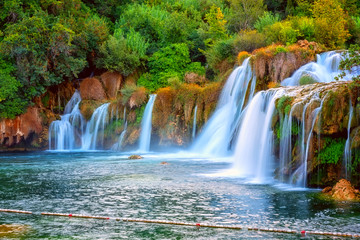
[[219, 130], [347, 150], [194, 123], [117, 145], [253, 156], [64, 133], [94, 135], [325, 69], [145, 135]]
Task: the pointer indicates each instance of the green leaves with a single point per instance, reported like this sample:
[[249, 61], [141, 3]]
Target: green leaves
[[332, 151]]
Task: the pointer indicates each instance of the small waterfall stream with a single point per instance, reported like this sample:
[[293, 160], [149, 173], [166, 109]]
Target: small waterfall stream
[[93, 137], [218, 132], [145, 135], [64, 134], [194, 123], [347, 150], [118, 144]]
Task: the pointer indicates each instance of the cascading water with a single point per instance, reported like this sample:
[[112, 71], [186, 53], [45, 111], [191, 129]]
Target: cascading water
[[253, 156], [218, 132], [65, 134], [194, 123], [118, 144], [145, 135], [94, 135], [347, 150], [325, 69]]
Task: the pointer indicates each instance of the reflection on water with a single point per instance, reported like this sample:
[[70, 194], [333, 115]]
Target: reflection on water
[[100, 183]]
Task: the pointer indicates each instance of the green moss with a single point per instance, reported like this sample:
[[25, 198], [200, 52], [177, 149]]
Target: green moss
[[139, 114], [45, 100], [284, 104], [306, 79], [332, 150]]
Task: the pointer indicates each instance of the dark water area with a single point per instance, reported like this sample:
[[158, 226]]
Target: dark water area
[[109, 184]]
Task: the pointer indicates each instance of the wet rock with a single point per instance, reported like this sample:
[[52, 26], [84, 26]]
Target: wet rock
[[164, 163], [135, 157], [343, 191], [92, 89]]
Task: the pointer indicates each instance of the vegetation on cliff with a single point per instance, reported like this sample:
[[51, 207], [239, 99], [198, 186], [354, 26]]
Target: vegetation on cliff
[[44, 43]]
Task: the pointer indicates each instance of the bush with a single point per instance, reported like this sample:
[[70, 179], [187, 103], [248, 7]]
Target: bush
[[306, 79], [241, 57], [304, 26], [332, 151], [266, 20], [249, 41], [281, 32], [220, 51], [115, 55]]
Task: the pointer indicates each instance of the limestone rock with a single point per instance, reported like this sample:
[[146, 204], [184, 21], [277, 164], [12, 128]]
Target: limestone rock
[[13, 131], [92, 89], [343, 191], [112, 82], [133, 157]]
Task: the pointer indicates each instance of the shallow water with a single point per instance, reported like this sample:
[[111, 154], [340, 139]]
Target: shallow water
[[108, 184]]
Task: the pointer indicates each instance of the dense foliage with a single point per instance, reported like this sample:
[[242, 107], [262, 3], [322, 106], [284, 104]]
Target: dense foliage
[[43, 43]]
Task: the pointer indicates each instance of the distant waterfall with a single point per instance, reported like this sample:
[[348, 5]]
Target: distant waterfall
[[218, 132], [347, 150], [145, 135], [93, 137], [325, 69], [65, 134], [194, 123]]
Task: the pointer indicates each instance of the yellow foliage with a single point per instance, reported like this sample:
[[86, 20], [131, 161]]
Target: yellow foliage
[[242, 56]]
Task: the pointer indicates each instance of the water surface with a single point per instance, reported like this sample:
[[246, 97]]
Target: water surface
[[108, 184]]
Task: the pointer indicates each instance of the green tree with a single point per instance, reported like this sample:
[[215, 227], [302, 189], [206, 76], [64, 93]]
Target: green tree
[[243, 14], [351, 63], [330, 23], [11, 103]]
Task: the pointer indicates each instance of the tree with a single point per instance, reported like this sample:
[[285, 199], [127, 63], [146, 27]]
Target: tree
[[244, 13], [351, 63], [330, 23]]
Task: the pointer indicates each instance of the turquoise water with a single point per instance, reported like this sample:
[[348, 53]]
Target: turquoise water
[[108, 184]]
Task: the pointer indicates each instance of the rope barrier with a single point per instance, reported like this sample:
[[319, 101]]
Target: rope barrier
[[198, 225]]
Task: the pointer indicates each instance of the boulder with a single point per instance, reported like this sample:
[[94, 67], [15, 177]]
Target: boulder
[[112, 83], [92, 89], [343, 191], [135, 157]]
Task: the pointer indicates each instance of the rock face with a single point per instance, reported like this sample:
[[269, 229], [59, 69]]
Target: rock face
[[343, 191], [92, 89], [13, 131], [112, 83], [275, 63]]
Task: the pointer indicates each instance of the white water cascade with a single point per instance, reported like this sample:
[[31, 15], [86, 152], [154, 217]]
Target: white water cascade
[[194, 123], [254, 156], [118, 144], [347, 150], [65, 134], [325, 69], [93, 137], [145, 135], [219, 131]]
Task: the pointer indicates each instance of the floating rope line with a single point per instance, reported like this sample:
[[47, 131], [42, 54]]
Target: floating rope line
[[198, 225]]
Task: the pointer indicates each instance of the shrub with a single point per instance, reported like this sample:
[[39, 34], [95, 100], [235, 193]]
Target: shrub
[[266, 20], [304, 26], [332, 151], [219, 52], [249, 41], [116, 55], [306, 79], [241, 57], [281, 32]]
